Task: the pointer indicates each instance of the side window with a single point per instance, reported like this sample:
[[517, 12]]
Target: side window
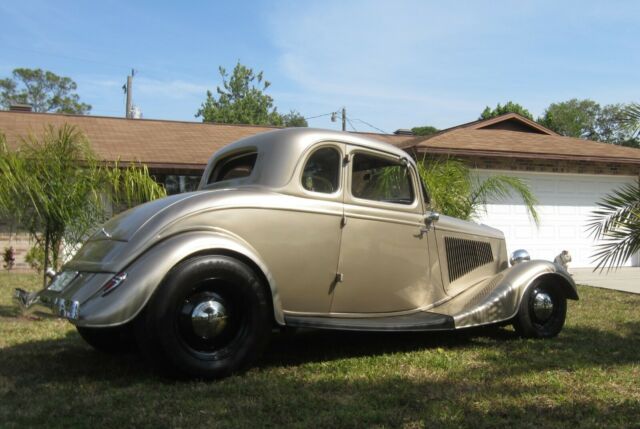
[[381, 179], [233, 167], [322, 171]]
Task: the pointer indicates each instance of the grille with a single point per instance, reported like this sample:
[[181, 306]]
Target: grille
[[464, 256]]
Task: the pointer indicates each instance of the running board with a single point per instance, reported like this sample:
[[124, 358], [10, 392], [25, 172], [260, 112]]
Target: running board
[[418, 321]]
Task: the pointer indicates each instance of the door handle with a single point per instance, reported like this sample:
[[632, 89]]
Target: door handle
[[429, 219]]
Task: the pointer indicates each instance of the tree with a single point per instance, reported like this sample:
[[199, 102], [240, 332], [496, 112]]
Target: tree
[[43, 90], [56, 189], [427, 130], [616, 222], [455, 191], [586, 119], [509, 107], [294, 119], [241, 100], [573, 118]]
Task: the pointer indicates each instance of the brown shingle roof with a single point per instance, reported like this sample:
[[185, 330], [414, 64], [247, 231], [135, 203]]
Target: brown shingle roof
[[157, 143], [504, 143]]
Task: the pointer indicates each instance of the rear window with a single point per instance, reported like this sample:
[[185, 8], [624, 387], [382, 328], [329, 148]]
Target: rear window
[[233, 167]]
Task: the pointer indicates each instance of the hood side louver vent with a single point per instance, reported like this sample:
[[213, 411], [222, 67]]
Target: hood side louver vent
[[464, 256]]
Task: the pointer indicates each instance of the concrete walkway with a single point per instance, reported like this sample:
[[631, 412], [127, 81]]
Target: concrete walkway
[[626, 279]]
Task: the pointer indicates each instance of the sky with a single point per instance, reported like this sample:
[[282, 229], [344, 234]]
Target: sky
[[391, 64]]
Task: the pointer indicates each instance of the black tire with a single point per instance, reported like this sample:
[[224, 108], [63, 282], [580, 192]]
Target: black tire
[[167, 332], [109, 340], [530, 324]]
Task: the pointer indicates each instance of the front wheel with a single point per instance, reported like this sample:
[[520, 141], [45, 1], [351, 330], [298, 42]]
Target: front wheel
[[542, 312], [209, 318]]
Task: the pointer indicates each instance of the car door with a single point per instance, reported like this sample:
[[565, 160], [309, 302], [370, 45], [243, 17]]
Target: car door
[[384, 258]]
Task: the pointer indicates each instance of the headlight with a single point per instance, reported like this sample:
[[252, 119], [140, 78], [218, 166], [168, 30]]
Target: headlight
[[518, 256], [62, 280]]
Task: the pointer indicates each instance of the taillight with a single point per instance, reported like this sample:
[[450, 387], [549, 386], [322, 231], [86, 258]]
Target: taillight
[[115, 281]]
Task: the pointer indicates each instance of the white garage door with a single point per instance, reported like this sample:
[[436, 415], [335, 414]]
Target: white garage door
[[565, 203]]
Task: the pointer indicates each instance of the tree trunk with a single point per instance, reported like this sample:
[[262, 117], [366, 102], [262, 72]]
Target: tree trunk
[[45, 265]]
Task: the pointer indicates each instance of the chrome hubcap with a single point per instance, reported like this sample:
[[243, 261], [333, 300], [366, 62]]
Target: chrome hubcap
[[542, 305], [208, 319]]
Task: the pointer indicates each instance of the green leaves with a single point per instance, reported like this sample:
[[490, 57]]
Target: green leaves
[[616, 223], [509, 107], [58, 191], [44, 90], [454, 191], [242, 100]]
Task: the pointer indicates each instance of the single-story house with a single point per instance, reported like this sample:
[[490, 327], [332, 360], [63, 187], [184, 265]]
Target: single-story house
[[567, 175]]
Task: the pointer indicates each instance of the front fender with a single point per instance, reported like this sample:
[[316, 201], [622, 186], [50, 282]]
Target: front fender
[[497, 299], [146, 273]]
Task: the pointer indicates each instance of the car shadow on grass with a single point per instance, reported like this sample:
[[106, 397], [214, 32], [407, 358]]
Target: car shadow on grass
[[70, 358]]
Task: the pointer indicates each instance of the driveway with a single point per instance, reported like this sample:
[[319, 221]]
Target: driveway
[[626, 279]]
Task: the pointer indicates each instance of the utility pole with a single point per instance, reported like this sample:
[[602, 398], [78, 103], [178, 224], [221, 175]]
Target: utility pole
[[128, 90], [344, 119]]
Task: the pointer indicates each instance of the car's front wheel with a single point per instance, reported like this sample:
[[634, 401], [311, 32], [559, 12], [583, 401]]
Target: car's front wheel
[[210, 318], [542, 311]]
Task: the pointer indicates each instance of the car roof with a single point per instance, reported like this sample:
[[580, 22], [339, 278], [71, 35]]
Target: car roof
[[299, 139], [280, 150]]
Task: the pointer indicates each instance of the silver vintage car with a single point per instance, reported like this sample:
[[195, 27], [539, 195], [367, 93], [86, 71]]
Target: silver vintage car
[[296, 228]]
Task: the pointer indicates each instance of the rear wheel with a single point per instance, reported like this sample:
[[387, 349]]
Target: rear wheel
[[210, 317], [542, 312], [109, 340]]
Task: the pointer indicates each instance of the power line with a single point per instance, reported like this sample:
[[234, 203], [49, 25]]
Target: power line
[[319, 116], [368, 124], [351, 124]]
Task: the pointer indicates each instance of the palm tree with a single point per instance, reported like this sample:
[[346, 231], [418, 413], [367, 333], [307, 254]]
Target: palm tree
[[454, 191], [617, 220], [54, 187]]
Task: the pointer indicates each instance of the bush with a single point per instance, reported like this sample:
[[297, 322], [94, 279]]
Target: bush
[[9, 257], [35, 258]]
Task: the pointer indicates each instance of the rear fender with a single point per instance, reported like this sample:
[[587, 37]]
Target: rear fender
[[147, 272]]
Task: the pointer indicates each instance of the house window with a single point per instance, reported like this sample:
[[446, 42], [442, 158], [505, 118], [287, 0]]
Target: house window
[[322, 171], [381, 179], [177, 184]]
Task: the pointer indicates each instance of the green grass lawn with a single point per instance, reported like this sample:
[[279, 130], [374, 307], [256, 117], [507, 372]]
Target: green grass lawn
[[587, 377]]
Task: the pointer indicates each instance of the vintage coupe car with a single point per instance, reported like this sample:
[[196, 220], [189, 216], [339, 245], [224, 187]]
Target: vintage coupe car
[[296, 228]]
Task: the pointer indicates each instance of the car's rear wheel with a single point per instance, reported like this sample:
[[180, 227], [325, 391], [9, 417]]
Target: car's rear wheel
[[119, 339], [210, 318], [542, 311]]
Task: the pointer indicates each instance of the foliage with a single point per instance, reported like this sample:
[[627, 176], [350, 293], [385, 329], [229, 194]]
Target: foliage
[[455, 191], [56, 189], [8, 258], [587, 119], [294, 119], [616, 222], [427, 130], [630, 121], [509, 107], [241, 100], [45, 91], [35, 257]]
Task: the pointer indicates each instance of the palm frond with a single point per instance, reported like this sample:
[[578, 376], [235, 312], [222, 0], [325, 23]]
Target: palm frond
[[616, 223], [502, 187], [630, 119]]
